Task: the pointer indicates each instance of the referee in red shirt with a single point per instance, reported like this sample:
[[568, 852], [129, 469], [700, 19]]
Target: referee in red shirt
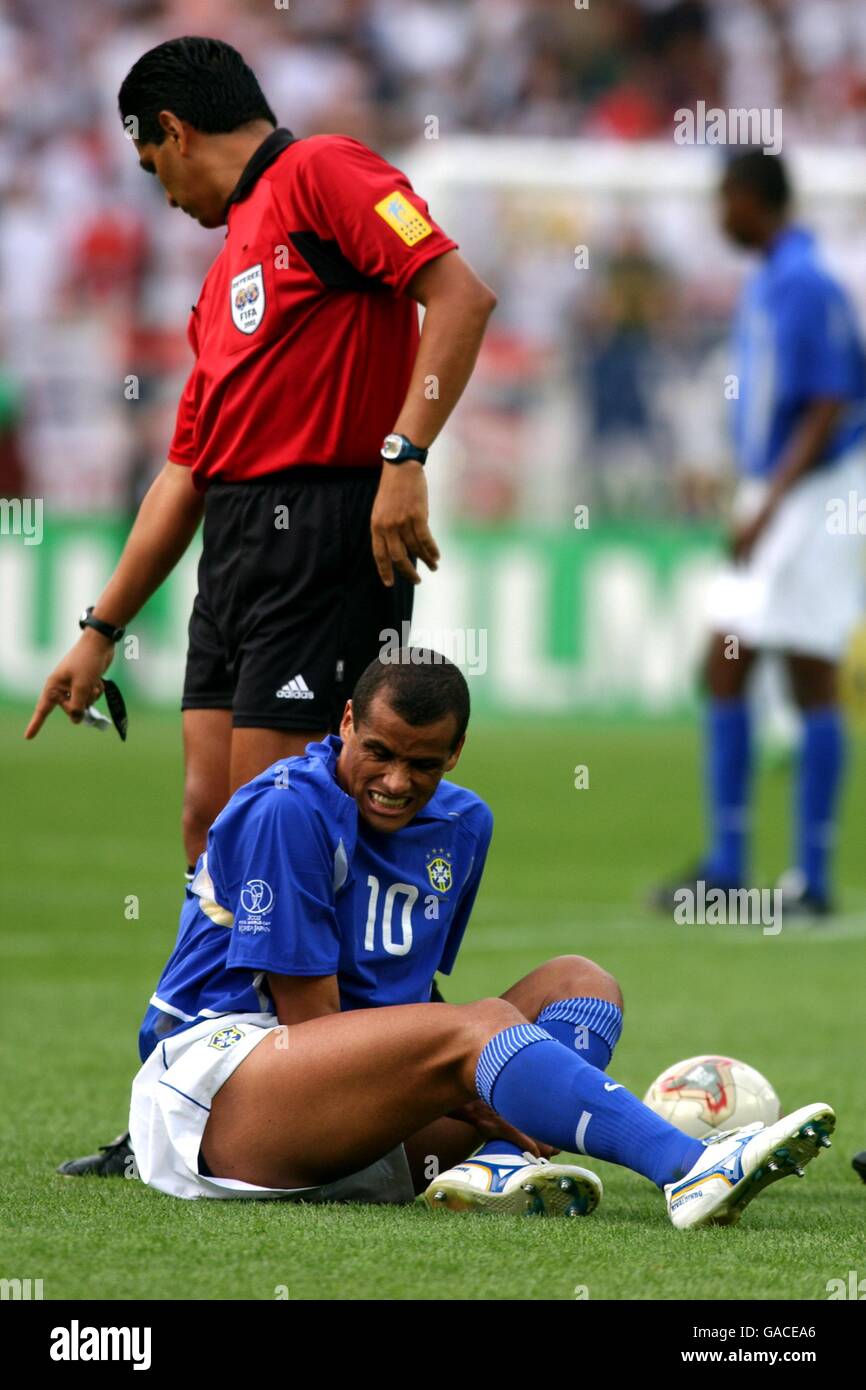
[[309, 371]]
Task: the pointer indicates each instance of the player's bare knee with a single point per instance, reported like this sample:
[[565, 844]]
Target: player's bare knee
[[578, 977], [464, 1030], [482, 1020]]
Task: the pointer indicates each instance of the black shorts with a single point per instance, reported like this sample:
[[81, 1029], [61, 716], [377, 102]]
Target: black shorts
[[287, 617]]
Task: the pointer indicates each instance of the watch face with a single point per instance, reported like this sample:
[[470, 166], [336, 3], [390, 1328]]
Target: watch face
[[392, 447]]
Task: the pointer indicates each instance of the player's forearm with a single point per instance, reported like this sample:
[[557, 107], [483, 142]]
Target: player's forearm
[[298, 999], [807, 445], [166, 523], [451, 337]]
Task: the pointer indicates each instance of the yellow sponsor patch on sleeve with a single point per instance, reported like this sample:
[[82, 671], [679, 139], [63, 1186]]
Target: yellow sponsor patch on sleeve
[[403, 218]]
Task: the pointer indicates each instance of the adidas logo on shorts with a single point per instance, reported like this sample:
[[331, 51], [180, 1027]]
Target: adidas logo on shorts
[[295, 689]]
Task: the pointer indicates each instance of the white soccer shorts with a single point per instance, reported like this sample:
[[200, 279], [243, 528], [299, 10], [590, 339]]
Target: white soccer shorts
[[171, 1098], [802, 588]]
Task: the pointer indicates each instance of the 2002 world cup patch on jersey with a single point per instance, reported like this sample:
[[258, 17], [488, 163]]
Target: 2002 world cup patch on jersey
[[403, 218], [247, 298]]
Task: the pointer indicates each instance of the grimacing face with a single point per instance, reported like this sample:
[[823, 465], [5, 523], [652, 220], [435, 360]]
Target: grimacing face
[[179, 164], [390, 767]]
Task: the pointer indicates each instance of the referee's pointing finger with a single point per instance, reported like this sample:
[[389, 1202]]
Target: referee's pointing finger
[[44, 705]]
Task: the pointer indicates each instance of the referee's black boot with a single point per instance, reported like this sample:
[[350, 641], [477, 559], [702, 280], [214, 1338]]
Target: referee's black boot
[[114, 1160]]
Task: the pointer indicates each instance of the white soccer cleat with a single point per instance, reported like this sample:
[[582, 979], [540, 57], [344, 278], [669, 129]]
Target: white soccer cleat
[[526, 1186], [740, 1163]]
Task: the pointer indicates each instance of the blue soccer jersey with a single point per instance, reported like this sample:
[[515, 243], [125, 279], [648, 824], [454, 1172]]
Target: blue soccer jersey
[[796, 340], [294, 882]]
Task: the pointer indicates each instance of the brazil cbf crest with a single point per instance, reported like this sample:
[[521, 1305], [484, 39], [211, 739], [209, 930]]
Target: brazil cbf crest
[[226, 1037], [439, 870], [247, 294]]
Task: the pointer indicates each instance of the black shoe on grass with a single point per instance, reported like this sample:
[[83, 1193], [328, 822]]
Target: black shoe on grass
[[672, 896], [858, 1163], [114, 1160], [798, 901]]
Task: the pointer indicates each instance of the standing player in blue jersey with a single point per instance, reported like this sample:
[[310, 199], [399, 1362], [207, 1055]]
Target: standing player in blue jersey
[[795, 586], [291, 1049]]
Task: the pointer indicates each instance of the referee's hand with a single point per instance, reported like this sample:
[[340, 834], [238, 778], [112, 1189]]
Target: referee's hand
[[399, 523], [75, 682]]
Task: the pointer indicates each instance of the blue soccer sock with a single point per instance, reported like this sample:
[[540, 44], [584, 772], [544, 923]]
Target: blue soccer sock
[[822, 762], [585, 1025], [550, 1092], [729, 757]]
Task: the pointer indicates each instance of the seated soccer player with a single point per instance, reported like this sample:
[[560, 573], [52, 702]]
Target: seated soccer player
[[292, 1050]]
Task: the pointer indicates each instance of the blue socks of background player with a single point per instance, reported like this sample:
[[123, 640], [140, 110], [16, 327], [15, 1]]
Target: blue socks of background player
[[550, 1092], [728, 737], [822, 760]]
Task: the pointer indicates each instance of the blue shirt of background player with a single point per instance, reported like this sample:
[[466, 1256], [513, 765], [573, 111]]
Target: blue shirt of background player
[[796, 339], [311, 889]]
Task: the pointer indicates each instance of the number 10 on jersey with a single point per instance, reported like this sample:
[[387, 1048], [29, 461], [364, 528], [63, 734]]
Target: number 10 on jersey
[[409, 894]]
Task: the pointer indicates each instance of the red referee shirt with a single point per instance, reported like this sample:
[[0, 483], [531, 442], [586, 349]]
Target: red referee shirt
[[304, 339]]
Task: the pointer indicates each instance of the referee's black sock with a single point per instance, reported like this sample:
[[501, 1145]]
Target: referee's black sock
[[190, 873]]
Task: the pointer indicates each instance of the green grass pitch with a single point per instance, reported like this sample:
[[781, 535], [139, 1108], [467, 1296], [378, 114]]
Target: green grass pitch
[[86, 823]]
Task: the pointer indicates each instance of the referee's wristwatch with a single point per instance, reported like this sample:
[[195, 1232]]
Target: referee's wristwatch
[[396, 448], [87, 619]]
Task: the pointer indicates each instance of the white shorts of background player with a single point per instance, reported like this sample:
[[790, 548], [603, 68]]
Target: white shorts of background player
[[803, 587]]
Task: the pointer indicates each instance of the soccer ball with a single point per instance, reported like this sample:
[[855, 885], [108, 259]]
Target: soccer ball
[[704, 1095]]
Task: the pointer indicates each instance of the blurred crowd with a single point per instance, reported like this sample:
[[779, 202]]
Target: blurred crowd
[[96, 277]]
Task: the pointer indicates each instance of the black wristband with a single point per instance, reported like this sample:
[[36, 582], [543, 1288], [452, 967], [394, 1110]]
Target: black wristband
[[87, 619]]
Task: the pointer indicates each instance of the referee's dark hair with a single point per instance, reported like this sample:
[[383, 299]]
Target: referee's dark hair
[[765, 174], [419, 684], [202, 81]]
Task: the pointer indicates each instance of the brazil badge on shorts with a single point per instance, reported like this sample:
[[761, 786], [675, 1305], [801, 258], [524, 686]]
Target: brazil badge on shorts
[[247, 297], [226, 1037]]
